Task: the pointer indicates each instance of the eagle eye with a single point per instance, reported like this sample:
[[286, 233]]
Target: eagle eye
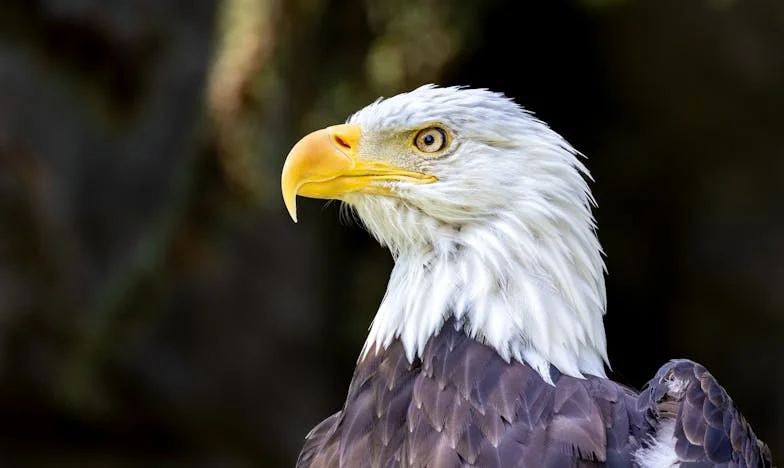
[[431, 140]]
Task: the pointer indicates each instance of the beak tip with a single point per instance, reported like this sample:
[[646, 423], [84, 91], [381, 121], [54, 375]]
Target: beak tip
[[289, 193], [292, 209]]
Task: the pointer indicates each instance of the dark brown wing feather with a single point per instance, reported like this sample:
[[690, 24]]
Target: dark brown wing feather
[[461, 404], [709, 429], [315, 452]]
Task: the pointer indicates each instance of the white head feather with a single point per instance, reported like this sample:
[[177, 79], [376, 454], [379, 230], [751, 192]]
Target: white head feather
[[504, 241]]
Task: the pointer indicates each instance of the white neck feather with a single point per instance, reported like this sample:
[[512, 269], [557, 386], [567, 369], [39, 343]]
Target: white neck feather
[[505, 240], [532, 290]]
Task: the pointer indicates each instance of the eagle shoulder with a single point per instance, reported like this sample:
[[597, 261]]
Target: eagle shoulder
[[697, 421], [318, 450]]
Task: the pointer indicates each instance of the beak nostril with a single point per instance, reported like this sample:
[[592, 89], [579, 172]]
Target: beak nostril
[[342, 143]]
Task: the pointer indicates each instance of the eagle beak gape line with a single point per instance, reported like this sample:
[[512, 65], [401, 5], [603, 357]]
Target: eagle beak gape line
[[325, 164]]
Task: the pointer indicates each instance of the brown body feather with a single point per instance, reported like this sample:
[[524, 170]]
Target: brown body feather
[[462, 405]]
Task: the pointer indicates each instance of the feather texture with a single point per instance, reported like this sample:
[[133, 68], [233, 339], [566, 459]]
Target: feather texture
[[504, 239], [706, 427], [461, 404]]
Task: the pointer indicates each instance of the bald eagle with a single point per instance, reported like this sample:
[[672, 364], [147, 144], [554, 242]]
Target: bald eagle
[[488, 348]]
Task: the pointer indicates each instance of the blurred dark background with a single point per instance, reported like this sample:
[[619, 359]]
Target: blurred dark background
[[159, 308]]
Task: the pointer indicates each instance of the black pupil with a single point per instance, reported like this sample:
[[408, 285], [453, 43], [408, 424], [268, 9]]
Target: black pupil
[[429, 139]]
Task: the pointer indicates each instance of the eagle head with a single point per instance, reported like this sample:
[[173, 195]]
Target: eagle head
[[488, 215]]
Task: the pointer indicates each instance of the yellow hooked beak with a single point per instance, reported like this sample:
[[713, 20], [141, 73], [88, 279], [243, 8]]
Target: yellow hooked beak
[[324, 164]]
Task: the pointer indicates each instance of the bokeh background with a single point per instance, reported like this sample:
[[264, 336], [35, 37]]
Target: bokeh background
[[159, 308]]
